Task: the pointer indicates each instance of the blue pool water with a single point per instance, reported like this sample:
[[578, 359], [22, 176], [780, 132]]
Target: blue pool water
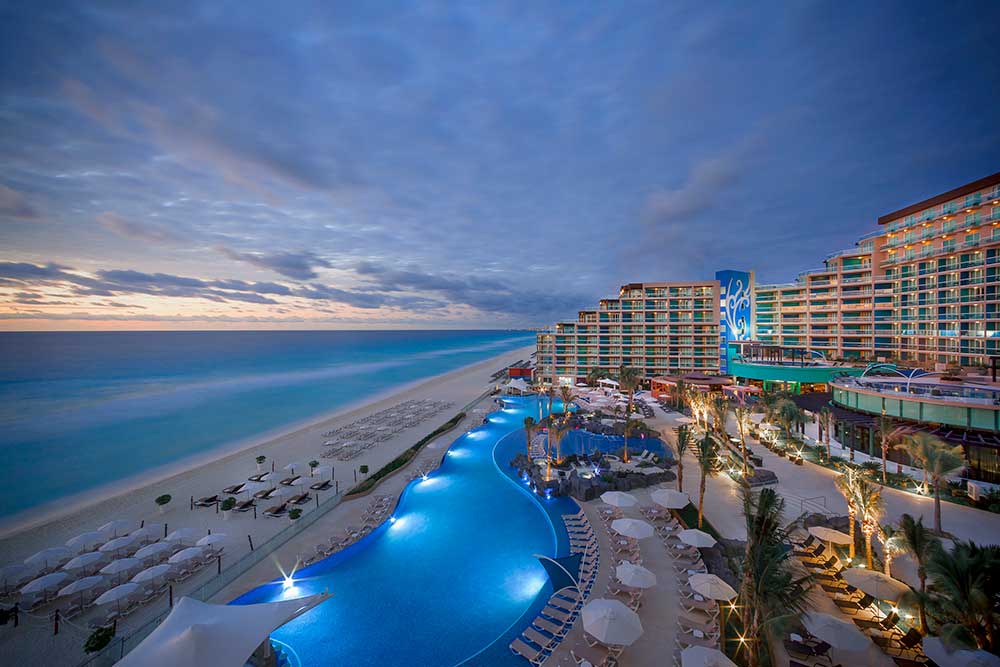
[[88, 409], [452, 580], [584, 442]]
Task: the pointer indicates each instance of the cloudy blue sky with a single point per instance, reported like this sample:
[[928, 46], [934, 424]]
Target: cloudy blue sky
[[258, 164]]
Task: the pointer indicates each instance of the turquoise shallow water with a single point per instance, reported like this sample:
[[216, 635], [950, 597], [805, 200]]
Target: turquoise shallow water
[[451, 580], [80, 410]]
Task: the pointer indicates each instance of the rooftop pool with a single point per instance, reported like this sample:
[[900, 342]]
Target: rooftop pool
[[451, 579]]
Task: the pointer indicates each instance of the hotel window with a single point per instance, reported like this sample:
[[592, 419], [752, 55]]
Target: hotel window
[[948, 245]]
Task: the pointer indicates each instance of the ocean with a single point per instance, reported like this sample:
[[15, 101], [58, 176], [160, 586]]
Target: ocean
[[79, 410]]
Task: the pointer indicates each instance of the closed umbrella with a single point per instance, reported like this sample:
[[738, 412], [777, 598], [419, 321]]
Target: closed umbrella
[[835, 632], [116, 527], [702, 656], [292, 466], [49, 557], [672, 500], [81, 586], [83, 561], [696, 538], [936, 650], [830, 535], [635, 576], [711, 587], [618, 499], [151, 573], [632, 528], [611, 622], [183, 535], [86, 541], [185, 555], [876, 584], [119, 543], [154, 549], [209, 540], [45, 583]]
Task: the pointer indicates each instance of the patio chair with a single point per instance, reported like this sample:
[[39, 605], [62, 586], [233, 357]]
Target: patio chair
[[532, 655], [556, 629], [234, 489], [849, 607], [301, 499], [288, 480], [265, 494], [886, 624], [537, 638], [244, 505], [277, 510], [207, 501], [556, 614]]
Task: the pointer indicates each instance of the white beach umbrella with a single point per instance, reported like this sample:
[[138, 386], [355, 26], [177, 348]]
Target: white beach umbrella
[[320, 471], [835, 632], [118, 593], [45, 583], [876, 584], [671, 499], [830, 535], [209, 540], [292, 466], [185, 555], [49, 557], [153, 530], [936, 650], [118, 543], [711, 587], [702, 656], [632, 528], [81, 585], [84, 561], [635, 576], [619, 499], [611, 622], [116, 527], [86, 541], [154, 549], [183, 535], [696, 538], [151, 573], [301, 481], [253, 487], [121, 565]]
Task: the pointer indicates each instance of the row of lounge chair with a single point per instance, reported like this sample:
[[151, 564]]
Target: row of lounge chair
[[905, 648], [376, 512]]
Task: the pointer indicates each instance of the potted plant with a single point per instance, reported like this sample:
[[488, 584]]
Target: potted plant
[[98, 639], [260, 462], [227, 507], [363, 470], [312, 466], [161, 502], [294, 514]]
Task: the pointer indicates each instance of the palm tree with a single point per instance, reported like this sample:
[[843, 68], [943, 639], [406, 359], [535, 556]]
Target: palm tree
[[551, 393], [846, 485], [631, 426], [772, 594], [529, 430], [888, 433], [567, 396], [683, 444], [720, 413], [917, 541], [826, 419], [680, 395], [891, 545], [556, 435], [629, 379], [788, 415], [964, 592], [868, 505], [942, 460], [742, 414], [596, 374], [708, 461], [916, 445]]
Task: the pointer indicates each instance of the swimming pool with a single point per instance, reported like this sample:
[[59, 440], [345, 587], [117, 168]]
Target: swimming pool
[[451, 580]]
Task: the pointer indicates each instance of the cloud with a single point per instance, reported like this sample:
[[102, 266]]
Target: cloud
[[296, 265], [700, 191], [14, 206], [136, 230]]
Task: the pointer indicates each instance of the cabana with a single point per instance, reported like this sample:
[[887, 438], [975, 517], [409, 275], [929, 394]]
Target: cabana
[[607, 383], [198, 634], [517, 386]]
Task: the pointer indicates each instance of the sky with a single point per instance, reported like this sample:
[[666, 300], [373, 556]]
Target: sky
[[464, 165]]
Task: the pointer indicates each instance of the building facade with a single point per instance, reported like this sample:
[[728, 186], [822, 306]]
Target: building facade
[[660, 328]]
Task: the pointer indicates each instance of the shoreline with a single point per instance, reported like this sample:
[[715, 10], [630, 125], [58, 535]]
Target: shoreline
[[55, 510]]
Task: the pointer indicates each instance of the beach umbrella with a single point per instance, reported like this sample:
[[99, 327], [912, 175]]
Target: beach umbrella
[[292, 466], [611, 622], [118, 593], [320, 471], [183, 535], [635, 576], [151, 573], [673, 500], [16, 573], [84, 561], [118, 543], [936, 650], [185, 555], [253, 487], [830, 535], [696, 538], [835, 632], [209, 540], [632, 528], [45, 583], [153, 530], [86, 541], [618, 499], [702, 656], [876, 584], [116, 527], [154, 549], [81, 586], [121, 565], [711, 587], [47, 557]]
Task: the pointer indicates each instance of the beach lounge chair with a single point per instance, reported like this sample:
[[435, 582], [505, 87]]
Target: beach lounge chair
[[207, 501], [265, 494], [321, 486], [556, 614], [301, 499], [886, 624], [244, 505], [288, 480], [532, 655], [234, 489], [258, 477], [557, 629], [277, 510], [537, 638]]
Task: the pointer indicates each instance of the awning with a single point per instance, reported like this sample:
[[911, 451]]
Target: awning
[[198, 634], [563, 571]]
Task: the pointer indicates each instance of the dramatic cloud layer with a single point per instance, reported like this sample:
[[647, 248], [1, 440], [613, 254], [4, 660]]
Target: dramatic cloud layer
[[410, 164]]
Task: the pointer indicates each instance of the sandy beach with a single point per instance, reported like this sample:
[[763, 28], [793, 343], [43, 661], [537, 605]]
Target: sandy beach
[[133, 501]]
